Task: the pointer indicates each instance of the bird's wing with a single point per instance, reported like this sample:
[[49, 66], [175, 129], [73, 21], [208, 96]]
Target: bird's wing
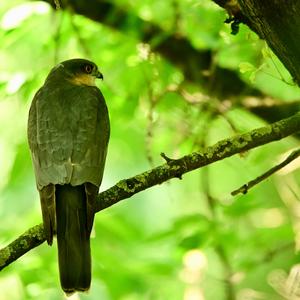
[[47, 197], [90, 137], [50, 143], [68, 133]]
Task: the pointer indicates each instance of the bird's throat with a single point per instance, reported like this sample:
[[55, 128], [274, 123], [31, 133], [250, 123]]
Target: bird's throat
[[83, 79]]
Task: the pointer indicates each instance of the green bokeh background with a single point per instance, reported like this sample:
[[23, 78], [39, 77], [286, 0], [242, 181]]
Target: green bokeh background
[[166, 242]]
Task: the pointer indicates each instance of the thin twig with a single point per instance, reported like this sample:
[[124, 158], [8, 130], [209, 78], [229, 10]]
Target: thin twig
[[246, 187], [57, 4], [212, 203], [82, 42], [145, 55], [56, 36], [230, 123], [230, 290], [166, 158], [150, 123]]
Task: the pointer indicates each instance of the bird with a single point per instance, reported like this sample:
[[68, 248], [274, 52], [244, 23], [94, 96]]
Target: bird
[[68, 134]]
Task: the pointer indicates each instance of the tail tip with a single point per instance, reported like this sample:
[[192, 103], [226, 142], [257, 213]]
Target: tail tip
[[70, 291]]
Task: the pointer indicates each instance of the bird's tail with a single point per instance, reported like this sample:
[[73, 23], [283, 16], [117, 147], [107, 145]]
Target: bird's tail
[[73, 238]]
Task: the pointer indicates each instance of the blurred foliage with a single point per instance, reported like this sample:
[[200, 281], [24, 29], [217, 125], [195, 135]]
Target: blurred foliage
[[184, 239]]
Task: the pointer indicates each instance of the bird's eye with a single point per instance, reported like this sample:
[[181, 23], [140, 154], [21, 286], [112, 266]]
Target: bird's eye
[[88, 69]]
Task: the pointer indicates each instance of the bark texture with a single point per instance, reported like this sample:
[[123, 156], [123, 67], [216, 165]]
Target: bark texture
[[277, 22]]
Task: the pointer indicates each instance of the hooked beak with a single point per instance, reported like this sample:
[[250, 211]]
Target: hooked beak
[[99, 75]]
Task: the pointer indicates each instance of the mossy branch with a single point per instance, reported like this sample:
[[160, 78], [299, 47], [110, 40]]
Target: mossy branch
[[174, 168]]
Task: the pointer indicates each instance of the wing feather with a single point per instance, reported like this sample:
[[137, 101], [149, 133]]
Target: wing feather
[[68, 132]]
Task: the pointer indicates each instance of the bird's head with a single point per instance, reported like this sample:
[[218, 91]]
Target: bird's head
[[78, 71]]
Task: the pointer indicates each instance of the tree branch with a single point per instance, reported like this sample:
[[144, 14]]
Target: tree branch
[[272, 110], [247, 186], [174, 168]]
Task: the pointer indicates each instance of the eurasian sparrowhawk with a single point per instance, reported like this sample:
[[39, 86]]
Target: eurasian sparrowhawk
[[68, 133]]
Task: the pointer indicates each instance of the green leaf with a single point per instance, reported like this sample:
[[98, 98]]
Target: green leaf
[[246, 67]]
